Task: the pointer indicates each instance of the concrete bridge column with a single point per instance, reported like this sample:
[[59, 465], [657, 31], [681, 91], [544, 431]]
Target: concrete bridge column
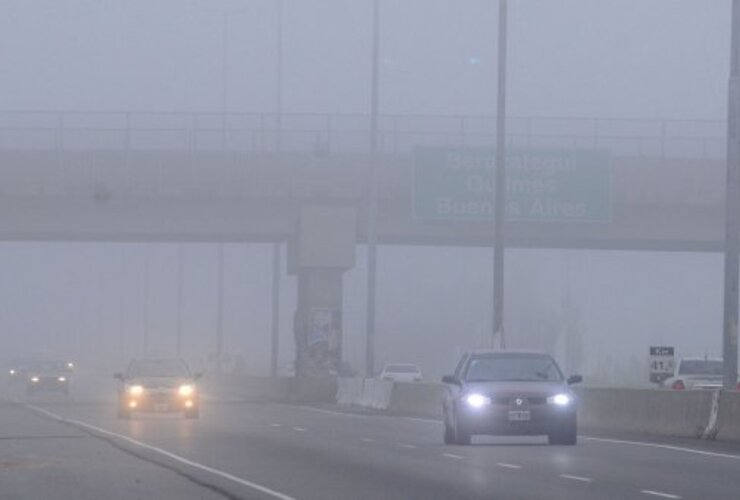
[[322, 249]]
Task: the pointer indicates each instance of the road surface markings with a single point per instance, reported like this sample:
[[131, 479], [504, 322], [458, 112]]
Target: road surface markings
[[367, 440], [508, 466], [663, 447], [409, 446], [576, 478], [172, 456], [275, 425], [299, 429], [660, 494], [452, 455]]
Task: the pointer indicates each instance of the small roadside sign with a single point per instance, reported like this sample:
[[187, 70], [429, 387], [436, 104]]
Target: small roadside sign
[[661, 363]]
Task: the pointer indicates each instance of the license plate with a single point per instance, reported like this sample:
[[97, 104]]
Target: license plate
[[519, 416], [161, 407]]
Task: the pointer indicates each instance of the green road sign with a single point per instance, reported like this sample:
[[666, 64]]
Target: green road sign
[[541, 184]]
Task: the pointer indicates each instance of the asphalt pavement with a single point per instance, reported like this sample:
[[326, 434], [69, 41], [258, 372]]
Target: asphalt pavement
[[253, 450]]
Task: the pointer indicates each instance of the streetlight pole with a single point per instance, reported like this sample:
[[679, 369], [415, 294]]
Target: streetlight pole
[[220, 311], [732, 209], [499, 201], [279, 78], [178, 338], [372, 205]]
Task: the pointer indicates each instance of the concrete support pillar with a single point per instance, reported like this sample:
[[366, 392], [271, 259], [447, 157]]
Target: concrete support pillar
[[319, 254]]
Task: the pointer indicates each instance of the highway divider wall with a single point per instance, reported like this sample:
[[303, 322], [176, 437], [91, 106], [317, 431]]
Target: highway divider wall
[[270, 389], [646, 411], [700, 414], [696, 414]]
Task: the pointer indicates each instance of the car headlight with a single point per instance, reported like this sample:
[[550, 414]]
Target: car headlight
[[477, 400], [186, 390], [34, 379], [62, 379], [136, 390], [12, 372], [70, 365], [560, 400]]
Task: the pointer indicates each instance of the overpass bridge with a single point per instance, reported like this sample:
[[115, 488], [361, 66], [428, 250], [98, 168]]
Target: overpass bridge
[[302, 179]]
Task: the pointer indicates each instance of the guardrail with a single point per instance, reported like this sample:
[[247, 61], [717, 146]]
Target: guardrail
[[324, 133]]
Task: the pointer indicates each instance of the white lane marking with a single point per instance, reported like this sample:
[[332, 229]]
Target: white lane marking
[[177, 458], [577, 478], [367, 440], [409, 446], [508, 466], [452, 455], [275, 425], [663, 447], [660, 494], [330, 412], [299, 429]]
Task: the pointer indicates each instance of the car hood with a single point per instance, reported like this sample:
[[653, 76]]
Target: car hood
[[159, 382], [46, 374], [521, 388]]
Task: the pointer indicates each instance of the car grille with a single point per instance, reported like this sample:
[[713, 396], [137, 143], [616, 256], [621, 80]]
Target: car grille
[[526, 400]]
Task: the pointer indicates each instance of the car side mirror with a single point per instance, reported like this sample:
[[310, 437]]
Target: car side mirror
[[197, 375], [451, 379], [118, 376], [575, 379]]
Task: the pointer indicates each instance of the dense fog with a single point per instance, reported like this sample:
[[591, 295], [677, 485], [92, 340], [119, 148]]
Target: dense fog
[[104, 302]]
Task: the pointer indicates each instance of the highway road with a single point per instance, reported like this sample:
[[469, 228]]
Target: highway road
[[64, 449]]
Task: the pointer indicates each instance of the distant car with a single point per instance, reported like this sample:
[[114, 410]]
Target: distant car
[[401, 372], [158, 385], [17, 372], [46, 376], [509, 393], [696, 373]]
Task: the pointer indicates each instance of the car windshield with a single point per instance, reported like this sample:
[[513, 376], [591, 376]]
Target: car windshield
[[401, 369], [46, 366], [158, 368], [701, 367], [498, 368]]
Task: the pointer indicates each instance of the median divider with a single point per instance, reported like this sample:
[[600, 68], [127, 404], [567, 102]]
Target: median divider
[[244, 388], [646, 411], [694, 414]]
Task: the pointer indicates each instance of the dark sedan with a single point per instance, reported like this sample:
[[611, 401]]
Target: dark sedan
[[509, 393]]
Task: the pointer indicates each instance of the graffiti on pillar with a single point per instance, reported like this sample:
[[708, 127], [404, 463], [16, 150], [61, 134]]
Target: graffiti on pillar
[[324, 339]]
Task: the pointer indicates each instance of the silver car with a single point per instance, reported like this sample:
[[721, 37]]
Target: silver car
[[509, 393]]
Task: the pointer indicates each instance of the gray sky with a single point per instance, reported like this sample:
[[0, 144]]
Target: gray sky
[[606, 58]]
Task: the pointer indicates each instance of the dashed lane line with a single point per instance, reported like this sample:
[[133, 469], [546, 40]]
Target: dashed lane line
[[577, 478], [660, 494], [508, 466], [453, 456]]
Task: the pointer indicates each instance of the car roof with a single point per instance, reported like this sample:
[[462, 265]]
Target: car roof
[[475, 352]]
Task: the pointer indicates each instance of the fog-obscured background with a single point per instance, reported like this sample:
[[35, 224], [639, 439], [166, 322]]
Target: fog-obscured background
[[104, 302]]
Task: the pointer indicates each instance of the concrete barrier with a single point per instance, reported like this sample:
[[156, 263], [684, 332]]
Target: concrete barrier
[[349, 391], [268, 389], [367, 393], [417, 399], [376, 394], [728, 418], [663, 412]]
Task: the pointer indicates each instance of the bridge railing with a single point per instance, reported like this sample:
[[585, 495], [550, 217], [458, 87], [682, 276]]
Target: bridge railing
[[324, 133]]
